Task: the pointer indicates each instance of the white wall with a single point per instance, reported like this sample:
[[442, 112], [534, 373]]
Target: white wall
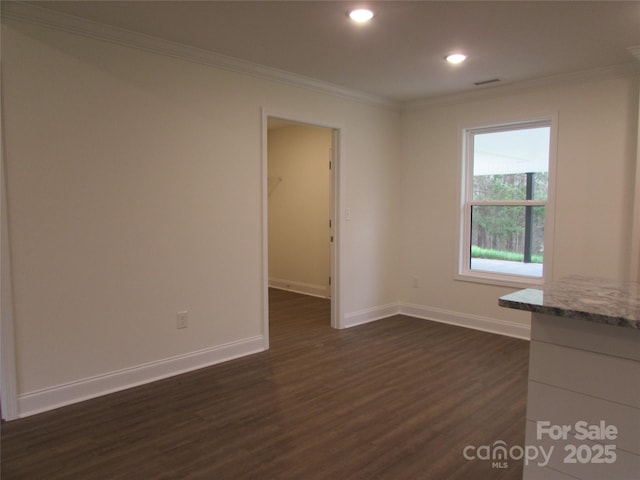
[[300, 209], [134, 192], [594, 197]]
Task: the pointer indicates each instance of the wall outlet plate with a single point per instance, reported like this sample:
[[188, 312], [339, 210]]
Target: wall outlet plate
[[182, 320]]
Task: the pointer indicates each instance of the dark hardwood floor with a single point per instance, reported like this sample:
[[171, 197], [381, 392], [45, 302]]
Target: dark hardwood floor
[[395, 399]]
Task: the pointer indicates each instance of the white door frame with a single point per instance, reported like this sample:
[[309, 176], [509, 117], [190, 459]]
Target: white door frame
[[8, 382], [336, 149], [634, 274]]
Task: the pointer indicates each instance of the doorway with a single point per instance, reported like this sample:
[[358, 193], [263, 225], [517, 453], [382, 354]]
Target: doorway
[[299, 210]]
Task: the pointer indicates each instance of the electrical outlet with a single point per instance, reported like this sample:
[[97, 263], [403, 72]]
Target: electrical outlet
[[183, 320], [416, 282]]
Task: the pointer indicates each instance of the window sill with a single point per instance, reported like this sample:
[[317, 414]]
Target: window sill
[[497, 279]]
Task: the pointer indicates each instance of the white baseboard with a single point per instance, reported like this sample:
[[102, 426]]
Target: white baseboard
[[369, 315], [322, 291], [60, 395], [485, 324], [476, 322], [73, 392]]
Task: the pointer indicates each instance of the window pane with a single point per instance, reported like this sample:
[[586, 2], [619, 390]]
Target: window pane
[[507, 239], [505, 163]]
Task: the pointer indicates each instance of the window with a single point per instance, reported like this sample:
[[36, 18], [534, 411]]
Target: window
[[506, 202]]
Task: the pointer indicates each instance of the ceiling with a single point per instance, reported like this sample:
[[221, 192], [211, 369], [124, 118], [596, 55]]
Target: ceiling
[[399, 55]]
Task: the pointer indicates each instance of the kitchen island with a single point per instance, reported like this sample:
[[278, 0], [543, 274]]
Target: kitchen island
[[583, 401]]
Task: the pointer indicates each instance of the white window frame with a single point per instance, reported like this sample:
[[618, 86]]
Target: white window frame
[[464, 271]]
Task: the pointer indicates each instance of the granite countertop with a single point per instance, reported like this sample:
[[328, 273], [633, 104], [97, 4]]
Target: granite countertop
[[592, 299]]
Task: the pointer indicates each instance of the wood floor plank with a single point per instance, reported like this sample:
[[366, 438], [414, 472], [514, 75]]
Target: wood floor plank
[[394, 399]]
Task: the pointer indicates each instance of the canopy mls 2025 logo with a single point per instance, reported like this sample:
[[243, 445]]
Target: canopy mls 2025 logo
[[589, 452]]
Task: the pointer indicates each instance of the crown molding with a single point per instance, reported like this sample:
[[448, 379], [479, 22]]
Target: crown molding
[[45, 17], [35, 15], [620, 70]]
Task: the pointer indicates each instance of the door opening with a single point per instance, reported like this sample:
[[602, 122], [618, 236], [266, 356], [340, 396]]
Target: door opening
[[299, 213]]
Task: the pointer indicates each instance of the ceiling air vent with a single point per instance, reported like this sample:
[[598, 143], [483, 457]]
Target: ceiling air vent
[[485, 82]]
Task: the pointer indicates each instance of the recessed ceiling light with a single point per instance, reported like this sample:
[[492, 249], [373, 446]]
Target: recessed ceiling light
[[361, 15], [456, 58]]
